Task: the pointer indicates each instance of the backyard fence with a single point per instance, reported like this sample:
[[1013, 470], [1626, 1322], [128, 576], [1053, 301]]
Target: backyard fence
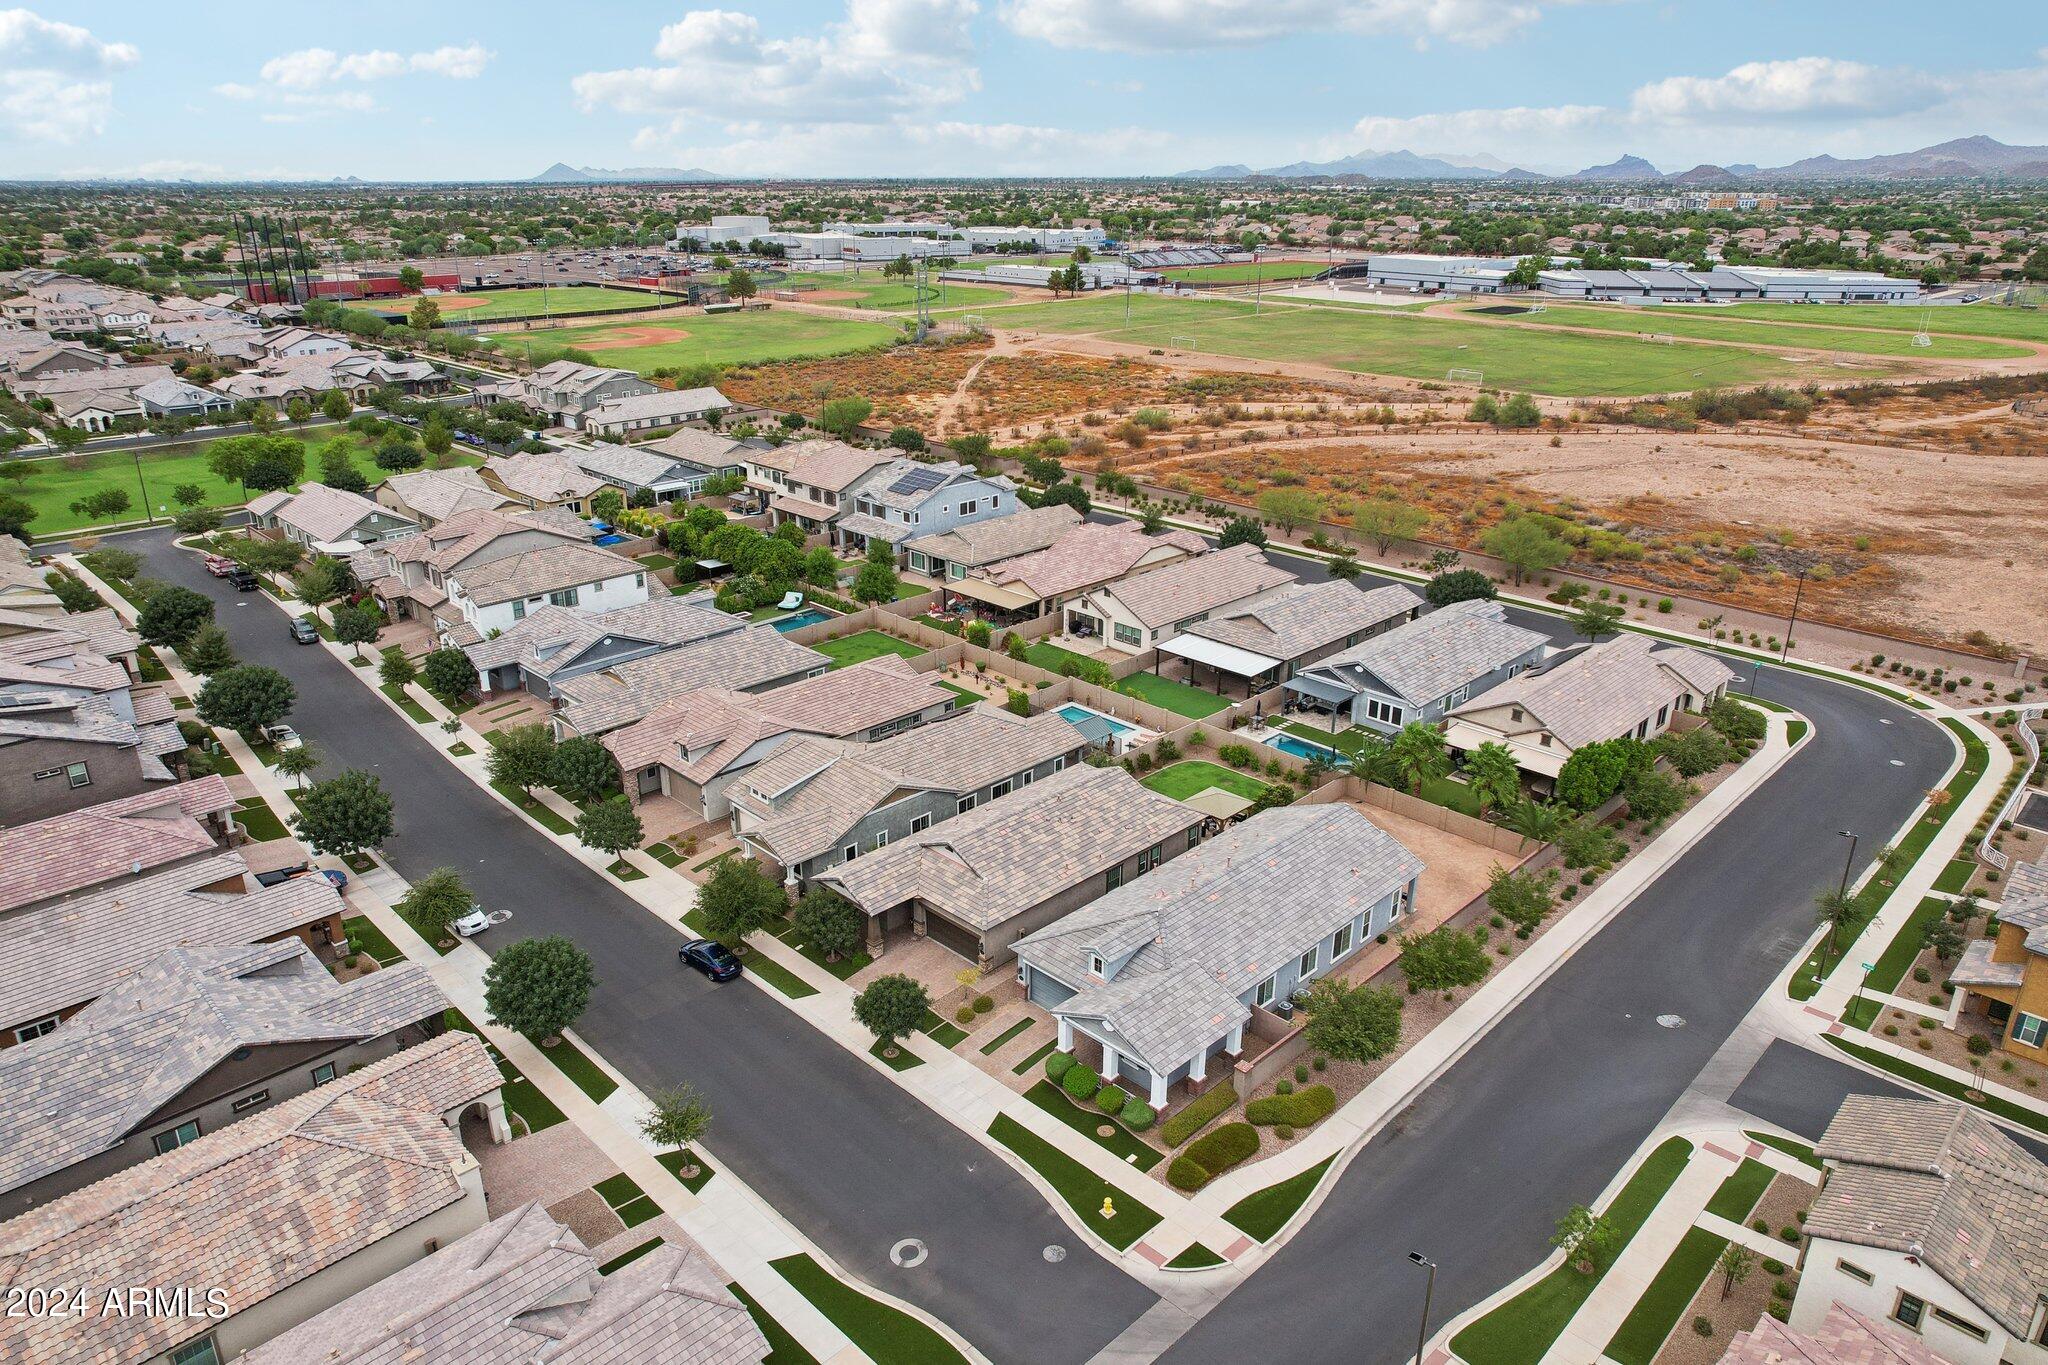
[[2031, 744]]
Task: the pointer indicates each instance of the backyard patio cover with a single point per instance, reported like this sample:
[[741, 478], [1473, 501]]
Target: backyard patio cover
[[1241, 662]]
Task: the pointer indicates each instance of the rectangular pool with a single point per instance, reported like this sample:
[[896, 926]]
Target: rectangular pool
[[808, 617], [1303, 749], [1074, 713]]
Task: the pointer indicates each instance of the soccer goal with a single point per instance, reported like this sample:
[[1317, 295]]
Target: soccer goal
[[1461, 376], [1922, 339], [974, 322], [1182, 343]]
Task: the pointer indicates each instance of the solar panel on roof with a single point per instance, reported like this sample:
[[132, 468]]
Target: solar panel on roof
[[918, 481]]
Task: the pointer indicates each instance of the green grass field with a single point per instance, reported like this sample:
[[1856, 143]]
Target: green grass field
[[520, 303], [57, 482], [1977, 319], [725, 339], [1561, 362], [1245, 273], [898, 296], [1714, 327]]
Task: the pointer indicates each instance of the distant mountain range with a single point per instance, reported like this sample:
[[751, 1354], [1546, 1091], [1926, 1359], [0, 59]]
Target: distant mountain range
[[561, 173], [1963, 158]]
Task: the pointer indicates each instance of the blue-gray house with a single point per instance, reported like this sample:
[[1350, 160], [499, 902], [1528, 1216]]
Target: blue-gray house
[[1421, 670], [1164, 972], [905, 499]]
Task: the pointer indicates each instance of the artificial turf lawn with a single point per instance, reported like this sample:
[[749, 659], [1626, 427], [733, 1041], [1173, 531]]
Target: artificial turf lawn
[[1643, 1331], [1050, 657], [366, 937], [543, 814], [968, 696], [574, 1063], [726, 339], [1195, 703], [1086, 1119], [939, 1031], [1557, 361], [884, 1333], [1034, 1059], [1080, 1187], [1739, 1192], [846, 966], [783, 1349], [256, 817], [558, 299], [865, 645], [1757, 332], [672, 1162], [1262, 1214], [1196, 1257], [1183, 780], [1798, 1151], [995, 1044], [1519, 1331]]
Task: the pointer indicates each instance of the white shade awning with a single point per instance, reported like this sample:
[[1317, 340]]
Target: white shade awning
[[1199, 649]]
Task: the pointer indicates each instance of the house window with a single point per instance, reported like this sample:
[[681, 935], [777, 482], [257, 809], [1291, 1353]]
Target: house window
[[1128, 635], [1855, 1272], [1095, 963], [1113, 878], [1515, 714], [1663, 714], [1963, 1325], [1385, 712], [1909, 1310], [171, 1141], [967, 508], [1264, 994], [882, 839], [323, 1073], [250, 1101], [639, 580], [1059, 764], [1002, 788], [200, 1352], [956, 571], [918, 561], [28, 1033], [850, 852], [919, 824], [1307, 965], [1458, 696], [1341, 944], [567, 597], [2028, 1028], [518, 609], [76, 775], [995, 501], [1194, 835], [1151, 858], [966, 805]]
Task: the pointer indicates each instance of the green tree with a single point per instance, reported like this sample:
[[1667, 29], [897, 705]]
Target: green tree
[[1241, 531], [173, 615], [829, 922], [1734, 1264], [358, 625], [891, 1007], [842, 416], [15, 515], [436, 901], [410, 278], [1942, 938], [425, 316], [582, 769], [1442, 959], [188, 495], [435, 435], [538, 987], [338, 467], [821, 566], [395, 670], [299, 411], [1350, 1022], [608, 505], [1526, 546], [448, 674], [1835, 910], [738, 899], [207, 652], [334, 405], [1067, 494], [677, 1116], [877, 580], [1042, 470], [1596, 619], [1419, 754], [740, 285], [1493, 776], [1584, 1237], [1520, 411], [246, 697], [1524, 899], [610, 827], [298, 764], [521, 757], [345, 815], [198, 521], [1653, 794], [101, 507], [909, 440], [1289, 508], [396, 454], [1386, 521], [1597, 771], [1458, 585], [320, 582]]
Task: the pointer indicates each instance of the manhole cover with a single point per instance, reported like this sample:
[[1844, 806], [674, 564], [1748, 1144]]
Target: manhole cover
[[1671, 1021], [1055, 1253], [909, 1253]]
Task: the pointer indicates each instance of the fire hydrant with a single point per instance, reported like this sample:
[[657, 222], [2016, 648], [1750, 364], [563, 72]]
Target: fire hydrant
[[1108, 1208]]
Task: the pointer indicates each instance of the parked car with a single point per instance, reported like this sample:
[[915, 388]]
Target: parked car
[[473, 923], [304, 631], [282, 736], [710, 958], [243, 579], [220, 566]]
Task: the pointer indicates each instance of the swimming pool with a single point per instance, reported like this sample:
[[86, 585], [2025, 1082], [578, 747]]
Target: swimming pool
[[808, 617], [1303, 749], [1074, 713], [611, 538]]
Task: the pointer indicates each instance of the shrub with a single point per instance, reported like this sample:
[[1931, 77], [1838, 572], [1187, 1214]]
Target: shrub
[[1301, 1072], [1219, 1150], [1110, 1099], [1284, 1133], [1184, 1174], [1081, 1082], [1214, 1101], [984, 1003], [1058, 1064], [1283, 1087], [1138, 1115], [1298, 1110], [1703, 1326]]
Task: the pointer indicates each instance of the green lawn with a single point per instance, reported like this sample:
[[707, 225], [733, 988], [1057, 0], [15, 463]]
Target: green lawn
[[366, 937], [1890, 967], [543, 814], [574, 1063], [1183, 780], [1519, 1331], [1196, 1257], [1085, 1119], [783, 1349], [522, 1096], [1643, 1331], [1713, 326], [1193, 702], [1560, 361], [939, 1031], [843, 968], [884, 1333], [1246, 272], [995, 1044], [254, 815], [904, 1059], [1261, 1215], [1982, 319], [1956, 875], [897, 296], [725, 339], [1080, 1187], [1034, 1059], [865, 645], [626, 1258], [1798, 1151], [559, 299], [1739, 1192], [1050, 657], [1942, 1085], [967, 695]]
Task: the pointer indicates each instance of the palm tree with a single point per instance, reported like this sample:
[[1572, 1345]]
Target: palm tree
[[1834, 908], [298, 763], [1418, 754], [1373, 759], [1493, 776], [1538, 820]]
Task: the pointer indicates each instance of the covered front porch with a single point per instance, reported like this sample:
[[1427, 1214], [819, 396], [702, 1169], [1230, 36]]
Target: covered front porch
[[1121, 1064]]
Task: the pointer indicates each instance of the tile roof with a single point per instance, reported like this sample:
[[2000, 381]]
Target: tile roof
[[984, 542], [551, 636], [1304, 617], [99, 630], [705, 449], [627, 466], [998, 860], [523, 1290], [324, 513], [1214, 922], [680, 404], [438, 494], [809, 793], [445, 546], [1937, 1180], [83, 848], [624, 693], [545, 569], [1844, 1337], [544, 476], [574, 376], [1433, 655], [62, 659], [82, 1089], [252, 1209], [834, 464], [1207, 582], [1604, 690], [1089, 554]]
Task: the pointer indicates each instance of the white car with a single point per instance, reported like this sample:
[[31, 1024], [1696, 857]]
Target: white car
[[473, 923], [282, 736]]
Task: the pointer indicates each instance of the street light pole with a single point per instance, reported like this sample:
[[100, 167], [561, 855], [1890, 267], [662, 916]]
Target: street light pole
[[143, 484], [1834, 920], [1793, 621], [1428, 1290]]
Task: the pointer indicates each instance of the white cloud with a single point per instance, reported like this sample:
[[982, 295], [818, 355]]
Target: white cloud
[[1802, 88], [53, 77], [1184, 25], [303, 83], [884, 57]]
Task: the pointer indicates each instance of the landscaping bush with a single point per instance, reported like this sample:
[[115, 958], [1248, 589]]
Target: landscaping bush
[[1214, 1101], [983, 1004], [1284, 1133], [1081, 1082], [1298, 1110], [1301, 1072], [1058, 1065], [1217, 1151], [1138, 1115], [1184, 1174], [963, 1015]]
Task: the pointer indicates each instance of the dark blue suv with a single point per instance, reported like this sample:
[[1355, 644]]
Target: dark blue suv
[[710, 958]]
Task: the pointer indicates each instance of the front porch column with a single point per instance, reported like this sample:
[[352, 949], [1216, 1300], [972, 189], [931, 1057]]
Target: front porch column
[[1109, 1062], [875, 944], [1198, 1069], [1158, 1091], [917, 920], [1066, 1034], [1955, 1007], [1235, 1043], [494, 1118]]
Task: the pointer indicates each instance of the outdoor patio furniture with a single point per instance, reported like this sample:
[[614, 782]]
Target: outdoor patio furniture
[[791, 601]]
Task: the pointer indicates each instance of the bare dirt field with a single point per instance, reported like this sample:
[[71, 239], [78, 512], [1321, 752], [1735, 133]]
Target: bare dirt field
[[626, 338]]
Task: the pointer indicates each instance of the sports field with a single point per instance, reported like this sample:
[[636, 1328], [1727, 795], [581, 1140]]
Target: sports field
[[890, 296], [1245, 273], [1562, 362], [719, 339], [561, 300], [1709, 326], [1970, 319]]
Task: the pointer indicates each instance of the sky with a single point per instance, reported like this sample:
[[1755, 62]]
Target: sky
[[382, 90]]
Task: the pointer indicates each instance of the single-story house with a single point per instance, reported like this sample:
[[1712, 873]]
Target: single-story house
[[1275, 636], [817, 803], [327, 520], [756, 659], [1087, 556], [996, 872], [176, 398], [648, 468], [651, 411], [1626, 687], [950, 554], [1164, 972], [1140, 612], [430, 496], [553, 644], [1421, 670]]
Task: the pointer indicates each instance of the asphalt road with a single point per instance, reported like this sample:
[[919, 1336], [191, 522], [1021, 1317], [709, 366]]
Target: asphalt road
[[838, 1149], [1538, 1116]]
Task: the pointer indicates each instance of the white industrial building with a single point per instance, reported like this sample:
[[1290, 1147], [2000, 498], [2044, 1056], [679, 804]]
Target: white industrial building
[[894, 229], [727, 227], [1445, 274], [845, 246], [1655, 282], [1094, 275], [1041, 239]]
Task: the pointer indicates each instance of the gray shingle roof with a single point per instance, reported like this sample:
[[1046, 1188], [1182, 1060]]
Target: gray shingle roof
[[438, 494], [1000, 859], [742, 661], [678, 404], [1304, 617], [546, 476], [1214, 922], [1936, 1179], [81, 1089], [524, 1290], [1433, 655], [1206, 582], [984, 542], [705, 449], [1605, 690]]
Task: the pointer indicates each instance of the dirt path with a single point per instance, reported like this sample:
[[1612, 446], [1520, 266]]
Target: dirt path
[[950, 406]]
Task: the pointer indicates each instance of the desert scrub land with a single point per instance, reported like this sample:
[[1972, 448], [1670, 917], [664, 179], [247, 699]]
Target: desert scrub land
[[1018, 390], [904, 382]]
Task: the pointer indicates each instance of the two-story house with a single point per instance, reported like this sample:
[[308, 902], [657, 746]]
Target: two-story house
[[1420, 671], [1086, 556], [903, 499], [971, 545], [555, 644], [817, 803], [410, 577], [543, 479], [2004, 979], [430, 496], [1144, 610], [818, 477], [755, 659], [1163, 972], [661, 470], [565, 390], [496, 594], [330, 521]]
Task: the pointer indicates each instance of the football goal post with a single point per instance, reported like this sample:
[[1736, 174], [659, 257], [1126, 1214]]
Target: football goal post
[[1462, 376]]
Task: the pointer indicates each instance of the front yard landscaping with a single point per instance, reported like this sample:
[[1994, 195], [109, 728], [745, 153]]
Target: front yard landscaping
[[258, 820], [1083, 1190], [1643, 1331], [783, 1349], [522, 1097], [1089, 1122], [366, 937], [574, 1063], [884, 1333], [1739, 1192], [1259, 1216], [864, 645]]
